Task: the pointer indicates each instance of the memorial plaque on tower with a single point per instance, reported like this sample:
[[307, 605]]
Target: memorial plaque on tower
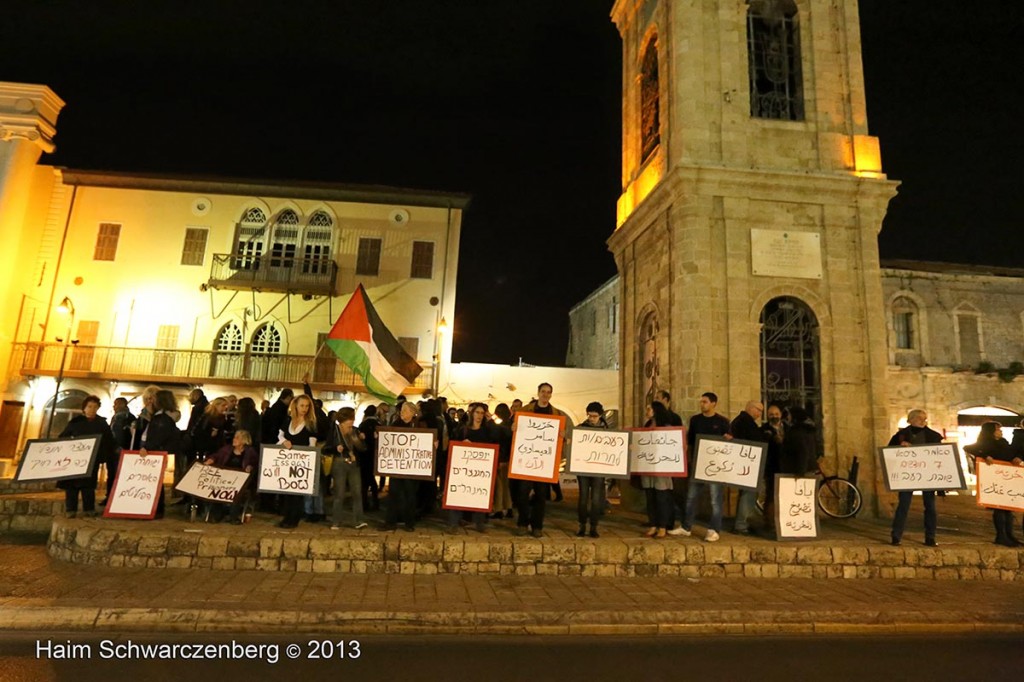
[[785, 253]]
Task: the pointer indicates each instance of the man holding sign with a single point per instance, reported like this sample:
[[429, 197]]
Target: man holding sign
[[915, 433], [526, 454]]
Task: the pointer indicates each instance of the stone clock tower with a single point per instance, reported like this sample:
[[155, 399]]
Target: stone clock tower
[[752, 198]]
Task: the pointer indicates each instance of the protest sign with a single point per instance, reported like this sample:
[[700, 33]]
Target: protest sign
[[658, 451], [406, 453], [136, 491], [291, 471], [57, 459], [599, 452], [469, 484], [796, 516], [536, 447], [212, 483], [1000, 485], [731, 462], [923, 467]]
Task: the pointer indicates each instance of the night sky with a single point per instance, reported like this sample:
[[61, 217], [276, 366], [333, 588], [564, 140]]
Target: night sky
[[513, 101]]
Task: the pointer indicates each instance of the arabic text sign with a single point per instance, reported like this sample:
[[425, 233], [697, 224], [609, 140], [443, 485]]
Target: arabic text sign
[[731, 462], [599, 452], [213, 483], [536, 447], [136, 490], [658, 452], [795, 515], [406, 453], [923, 467], [470, 482], [294, 471], [1000, 485], [57, 459]]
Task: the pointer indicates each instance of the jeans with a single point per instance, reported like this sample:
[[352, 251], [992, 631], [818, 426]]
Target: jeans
[[899, 521], [591, 499], [347, 477], [693, 496], [744, 508]]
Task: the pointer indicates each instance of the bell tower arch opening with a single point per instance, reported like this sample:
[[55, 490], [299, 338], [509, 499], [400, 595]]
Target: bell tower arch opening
[[791, 356]]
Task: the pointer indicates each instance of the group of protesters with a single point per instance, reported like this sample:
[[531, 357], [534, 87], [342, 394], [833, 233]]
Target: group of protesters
[[226, 431]]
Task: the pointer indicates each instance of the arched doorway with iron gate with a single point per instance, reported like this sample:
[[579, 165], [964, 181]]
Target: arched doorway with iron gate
[[791, 357]]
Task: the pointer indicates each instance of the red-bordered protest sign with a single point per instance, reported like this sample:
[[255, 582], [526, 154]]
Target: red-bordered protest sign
[[136, 491], [1000, 485], [536, 447], [658, 451]]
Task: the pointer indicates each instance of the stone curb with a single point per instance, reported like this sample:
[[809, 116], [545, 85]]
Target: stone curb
[[697, 622]]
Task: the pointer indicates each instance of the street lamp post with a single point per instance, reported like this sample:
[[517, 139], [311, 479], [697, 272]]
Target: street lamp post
[[68, 308]]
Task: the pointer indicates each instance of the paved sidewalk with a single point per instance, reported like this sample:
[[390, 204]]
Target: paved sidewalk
[[37, 592]]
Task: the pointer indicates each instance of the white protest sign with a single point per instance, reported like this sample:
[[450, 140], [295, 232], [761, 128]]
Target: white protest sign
[[658, 451], [406, 453], [470, 482], [795, 515], [294, 471], [57, 459], [599, 452], [730, 462], [1000, 485], [212, 483], [136, 490], [923, 467], [536, 447]]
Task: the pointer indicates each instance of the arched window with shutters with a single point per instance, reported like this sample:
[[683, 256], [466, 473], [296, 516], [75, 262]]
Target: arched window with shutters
[[227, 352], [249, 241], [904, 324], [773, 55], [284, 239], [266, 340], [264, 349], [316, 244]]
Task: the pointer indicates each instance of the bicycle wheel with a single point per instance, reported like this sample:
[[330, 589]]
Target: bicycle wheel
[[838, 498]]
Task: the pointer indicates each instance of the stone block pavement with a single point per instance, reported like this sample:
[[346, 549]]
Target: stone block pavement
[[38, 592]]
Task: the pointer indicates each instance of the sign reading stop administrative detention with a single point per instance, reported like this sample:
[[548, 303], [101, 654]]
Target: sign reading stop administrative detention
[[923, 467], [291, 471], [405, 453]]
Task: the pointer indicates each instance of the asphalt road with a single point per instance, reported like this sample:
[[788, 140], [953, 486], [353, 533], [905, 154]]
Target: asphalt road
[[24, 658]]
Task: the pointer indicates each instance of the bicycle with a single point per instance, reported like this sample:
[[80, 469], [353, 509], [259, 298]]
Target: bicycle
[[838, 497]]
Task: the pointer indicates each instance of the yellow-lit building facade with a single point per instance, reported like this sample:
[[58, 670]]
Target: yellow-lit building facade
[[229, 285]]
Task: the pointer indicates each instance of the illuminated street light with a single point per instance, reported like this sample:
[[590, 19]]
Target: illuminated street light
[[66, 307]]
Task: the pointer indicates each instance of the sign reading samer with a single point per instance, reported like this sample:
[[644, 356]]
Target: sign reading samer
[[291, 471], [536, 447], [923, 467], [136, 490], [58, 459], [405, 453], [1000, 485]]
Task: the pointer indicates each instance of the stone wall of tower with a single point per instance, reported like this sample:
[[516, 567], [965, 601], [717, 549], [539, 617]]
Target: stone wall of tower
[[684, 244]]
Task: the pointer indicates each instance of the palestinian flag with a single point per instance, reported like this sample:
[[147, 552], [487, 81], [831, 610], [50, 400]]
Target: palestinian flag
[[360, 339]]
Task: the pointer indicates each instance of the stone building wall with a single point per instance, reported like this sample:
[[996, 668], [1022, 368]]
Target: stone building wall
[[594, 329]]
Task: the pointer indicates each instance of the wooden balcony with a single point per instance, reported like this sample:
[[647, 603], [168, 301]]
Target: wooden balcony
[[158, 365], [309, 276]]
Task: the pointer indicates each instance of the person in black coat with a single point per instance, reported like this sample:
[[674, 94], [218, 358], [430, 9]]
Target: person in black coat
[[121, 428], [799, 445], [745, 427], [991, 446], [915, 433], [161, 434], [87, 424], [276, 415]]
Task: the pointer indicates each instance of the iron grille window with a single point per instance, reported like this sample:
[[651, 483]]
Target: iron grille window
[[368, 259], [422, 260], [249, 249], [229, 340], [773, 50], [650, 118], [266, 340], [194, 250], [106, 241]]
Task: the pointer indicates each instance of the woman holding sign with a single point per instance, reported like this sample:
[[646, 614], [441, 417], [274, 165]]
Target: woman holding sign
[[300, 429], [478, 430], [87, 424], [402, 491], [161, 433], [239, 456], [658, 489], [991, 446], [348, 446]]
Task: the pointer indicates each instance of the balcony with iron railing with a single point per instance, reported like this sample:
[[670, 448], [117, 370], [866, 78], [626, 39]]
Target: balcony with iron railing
[[263, 272], [161, 365]]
